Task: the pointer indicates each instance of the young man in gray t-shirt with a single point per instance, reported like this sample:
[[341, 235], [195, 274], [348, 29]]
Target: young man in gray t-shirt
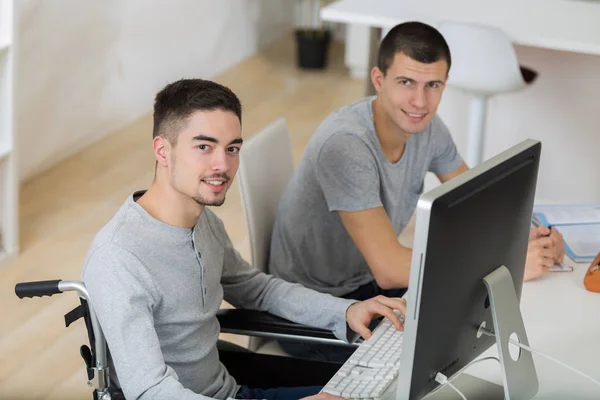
[[362, 173]]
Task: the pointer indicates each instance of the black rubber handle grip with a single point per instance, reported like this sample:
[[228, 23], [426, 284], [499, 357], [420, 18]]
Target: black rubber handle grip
[[39, 288]]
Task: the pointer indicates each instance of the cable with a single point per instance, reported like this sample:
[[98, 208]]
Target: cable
[[539, 353], [525, 347], [443, 380]]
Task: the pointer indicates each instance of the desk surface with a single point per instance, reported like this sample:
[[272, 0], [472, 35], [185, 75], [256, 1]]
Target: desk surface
[[562, 319], [568, 25]]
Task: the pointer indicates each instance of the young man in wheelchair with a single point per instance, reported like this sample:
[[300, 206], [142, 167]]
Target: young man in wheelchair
[[158, 271]]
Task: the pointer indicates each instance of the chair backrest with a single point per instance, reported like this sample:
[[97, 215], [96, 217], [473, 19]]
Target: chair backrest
[[483, 58], [266, 166]]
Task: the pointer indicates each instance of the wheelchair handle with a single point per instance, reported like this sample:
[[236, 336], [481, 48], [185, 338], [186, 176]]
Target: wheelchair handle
[[37, 289], [101, 379]]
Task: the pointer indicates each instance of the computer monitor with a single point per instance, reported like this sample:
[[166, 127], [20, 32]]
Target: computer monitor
[[467, 229]]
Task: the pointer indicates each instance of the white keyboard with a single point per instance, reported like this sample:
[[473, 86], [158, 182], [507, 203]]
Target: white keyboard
[[372, 367]]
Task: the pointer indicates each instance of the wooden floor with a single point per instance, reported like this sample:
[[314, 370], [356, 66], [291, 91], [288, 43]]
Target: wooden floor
[[62, 209]]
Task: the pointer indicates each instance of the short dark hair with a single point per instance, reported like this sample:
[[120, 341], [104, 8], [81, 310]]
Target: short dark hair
[[419, 41], [180, 99]]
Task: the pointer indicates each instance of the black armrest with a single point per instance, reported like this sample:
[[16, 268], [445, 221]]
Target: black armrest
[[262, 324]]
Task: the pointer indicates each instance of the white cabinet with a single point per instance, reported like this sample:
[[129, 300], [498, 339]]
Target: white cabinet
[[9, 183]]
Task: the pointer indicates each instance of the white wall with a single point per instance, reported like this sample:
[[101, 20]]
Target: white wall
[[88, 68], [561, 109]]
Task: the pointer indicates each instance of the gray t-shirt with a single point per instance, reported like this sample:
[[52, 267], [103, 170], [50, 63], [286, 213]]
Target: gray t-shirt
[[344, 169]]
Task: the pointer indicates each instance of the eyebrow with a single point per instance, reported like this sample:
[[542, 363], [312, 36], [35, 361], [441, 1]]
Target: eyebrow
[[214, 140], [405, 78]]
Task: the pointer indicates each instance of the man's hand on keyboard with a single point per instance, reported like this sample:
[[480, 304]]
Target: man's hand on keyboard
[[359, 315]]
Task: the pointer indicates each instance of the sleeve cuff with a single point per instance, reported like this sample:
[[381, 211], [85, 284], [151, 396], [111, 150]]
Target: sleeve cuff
[[449, 167], [342, 331], [359, 207]]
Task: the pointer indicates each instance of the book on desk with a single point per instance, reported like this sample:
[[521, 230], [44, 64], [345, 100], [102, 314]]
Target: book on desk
[[579, 225]]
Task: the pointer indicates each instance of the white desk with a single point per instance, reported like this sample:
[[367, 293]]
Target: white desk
[[569, 25], [562, 319]]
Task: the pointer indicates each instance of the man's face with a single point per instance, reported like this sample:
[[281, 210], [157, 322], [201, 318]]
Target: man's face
[[411, 91], [205, 159]]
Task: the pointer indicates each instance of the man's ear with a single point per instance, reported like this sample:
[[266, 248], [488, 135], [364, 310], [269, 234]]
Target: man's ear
[[377, 78], [161, 147]]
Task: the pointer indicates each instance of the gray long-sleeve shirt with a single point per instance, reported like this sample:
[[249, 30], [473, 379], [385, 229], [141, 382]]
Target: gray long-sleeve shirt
[[156, 289]]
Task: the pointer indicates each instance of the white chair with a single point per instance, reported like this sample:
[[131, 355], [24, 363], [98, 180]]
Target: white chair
[[484, 63], [266, 166]]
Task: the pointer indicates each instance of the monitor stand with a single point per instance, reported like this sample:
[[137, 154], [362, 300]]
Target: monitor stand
[[519, 377]]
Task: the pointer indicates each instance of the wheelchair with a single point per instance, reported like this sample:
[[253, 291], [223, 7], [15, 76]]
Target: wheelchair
[[275, 370]]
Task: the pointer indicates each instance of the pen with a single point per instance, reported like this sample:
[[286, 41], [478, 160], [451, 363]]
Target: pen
[[560, 268]]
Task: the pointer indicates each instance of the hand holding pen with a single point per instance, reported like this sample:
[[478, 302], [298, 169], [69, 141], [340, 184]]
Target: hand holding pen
[[545, 252], [558, 244]]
